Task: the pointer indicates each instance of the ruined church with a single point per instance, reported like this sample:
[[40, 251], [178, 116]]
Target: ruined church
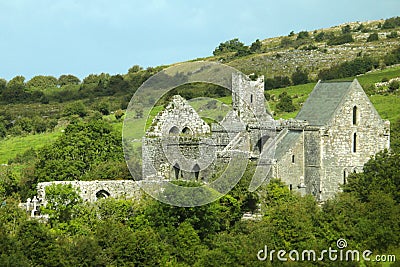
[[335, 133]]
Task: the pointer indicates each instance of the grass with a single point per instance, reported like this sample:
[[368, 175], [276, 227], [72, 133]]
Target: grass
[[377, 76], [388, 106], [12, 146]]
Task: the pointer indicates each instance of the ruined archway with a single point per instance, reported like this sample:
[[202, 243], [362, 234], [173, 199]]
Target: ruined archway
[[174, 130], [102, 194], [187, 131]]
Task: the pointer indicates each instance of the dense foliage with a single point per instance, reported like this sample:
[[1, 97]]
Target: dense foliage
[[149, 233], [349, 68]]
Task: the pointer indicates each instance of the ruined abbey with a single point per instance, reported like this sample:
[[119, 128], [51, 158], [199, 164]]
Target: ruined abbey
[[335, 133]]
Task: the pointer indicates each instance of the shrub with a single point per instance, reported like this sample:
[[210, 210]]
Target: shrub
[[285, 103], [393, 86], [299, 77], [341, 39], [392, 35], [391, 23], [373, 37]]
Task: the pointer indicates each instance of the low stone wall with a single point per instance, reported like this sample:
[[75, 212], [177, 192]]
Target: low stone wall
[[93, 190]]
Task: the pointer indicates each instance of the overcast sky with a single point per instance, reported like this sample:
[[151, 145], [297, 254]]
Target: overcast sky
[[54, 37]]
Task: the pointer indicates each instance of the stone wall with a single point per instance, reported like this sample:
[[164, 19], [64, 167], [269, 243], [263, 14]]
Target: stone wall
[[338, 155], [290, 167], [176, 119], [248, 97], [93, 190]]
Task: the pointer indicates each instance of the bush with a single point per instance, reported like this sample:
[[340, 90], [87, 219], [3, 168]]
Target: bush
[[342, 39], [393, 57], [373, 37], [346, 29], [393, 86], [285, 103], [392, 35], [391, 23], [299, 77], [276, 82], [320, 37], [349, 68], [303, 35], [75, 108], [233, 45], [119, 113]]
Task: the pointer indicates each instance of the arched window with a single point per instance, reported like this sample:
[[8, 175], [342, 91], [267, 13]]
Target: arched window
[[196, 170], [293, 158], [261, 142], [354, 142], [355, 115], [251, 98], [174, 130], [102, 194], [177, 170], [187, 130]]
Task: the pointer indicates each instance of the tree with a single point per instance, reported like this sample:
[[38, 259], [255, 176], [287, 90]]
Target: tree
[[373, 37], [117, 84], [15, 91], [380, 174], [394, 85], [103, 107], [76, 108], [395, 136], [299, 77], [119, 114], [392, 57], [277, 82], [320, 36], [3, 84], [255, 46], [134, 69], [341, 39], [61, 200], [18, 82], [285, 103], [391, 23], [233, 45], [76, 153], [68, 79], [346, 29], [42, 82], [302, 35], [286, 41], [392, 35]]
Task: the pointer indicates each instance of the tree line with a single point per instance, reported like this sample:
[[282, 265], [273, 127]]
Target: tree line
[[113, 232]]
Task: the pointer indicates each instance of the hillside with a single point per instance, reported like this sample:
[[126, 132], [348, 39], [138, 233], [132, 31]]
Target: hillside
[[281, 56], [34, 113]]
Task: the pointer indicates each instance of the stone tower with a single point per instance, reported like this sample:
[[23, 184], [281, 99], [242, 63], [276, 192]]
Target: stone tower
[[248, 97]]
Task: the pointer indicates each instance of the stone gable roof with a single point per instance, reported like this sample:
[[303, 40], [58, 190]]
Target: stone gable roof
[[323, 101], [180, 115]]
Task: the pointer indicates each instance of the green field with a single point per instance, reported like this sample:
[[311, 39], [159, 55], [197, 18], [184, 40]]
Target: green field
[[12, 146]]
